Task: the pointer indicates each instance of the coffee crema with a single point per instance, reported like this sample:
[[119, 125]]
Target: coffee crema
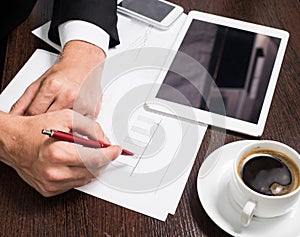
[[269, 172]]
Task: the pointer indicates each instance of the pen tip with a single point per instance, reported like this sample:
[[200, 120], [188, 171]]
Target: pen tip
[[127, 153]]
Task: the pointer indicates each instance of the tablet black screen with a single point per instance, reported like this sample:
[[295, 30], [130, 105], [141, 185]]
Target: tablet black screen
[[238, 66]]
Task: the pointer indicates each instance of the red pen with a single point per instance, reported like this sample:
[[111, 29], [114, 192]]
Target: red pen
[[63, 136]]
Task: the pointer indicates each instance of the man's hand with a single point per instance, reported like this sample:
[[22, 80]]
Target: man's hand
[[48, 165], [72, 82]]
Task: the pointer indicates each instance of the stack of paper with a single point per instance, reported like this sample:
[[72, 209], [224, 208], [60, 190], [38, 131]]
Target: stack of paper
[[153, 180]]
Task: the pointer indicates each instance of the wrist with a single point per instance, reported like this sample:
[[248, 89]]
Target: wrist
[[9, 137], [87, 54], [79, 58]]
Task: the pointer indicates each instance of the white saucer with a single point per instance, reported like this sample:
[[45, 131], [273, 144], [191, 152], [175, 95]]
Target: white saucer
[[212, 184]]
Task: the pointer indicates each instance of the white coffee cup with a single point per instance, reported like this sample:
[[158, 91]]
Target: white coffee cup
[[253, 203]]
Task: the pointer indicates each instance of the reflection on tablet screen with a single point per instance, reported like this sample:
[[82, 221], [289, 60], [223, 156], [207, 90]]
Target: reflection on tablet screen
[[240, 63]]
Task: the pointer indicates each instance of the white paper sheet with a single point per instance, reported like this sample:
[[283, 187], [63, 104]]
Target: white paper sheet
[[152, 182], [156, 203]]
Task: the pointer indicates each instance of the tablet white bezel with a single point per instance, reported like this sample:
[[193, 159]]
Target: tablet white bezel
[[182, 111], [164, 24]]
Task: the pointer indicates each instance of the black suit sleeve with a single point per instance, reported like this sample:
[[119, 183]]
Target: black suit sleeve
[[13, 13], [102, 13]]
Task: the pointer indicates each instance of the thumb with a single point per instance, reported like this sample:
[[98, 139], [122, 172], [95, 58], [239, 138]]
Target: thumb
[[96, 158], [112, 152]]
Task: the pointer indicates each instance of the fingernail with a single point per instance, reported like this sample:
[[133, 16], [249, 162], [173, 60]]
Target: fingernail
[[120, 151]]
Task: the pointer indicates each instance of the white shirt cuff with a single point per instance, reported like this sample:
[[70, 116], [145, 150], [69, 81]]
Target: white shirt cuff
[[82, 30]]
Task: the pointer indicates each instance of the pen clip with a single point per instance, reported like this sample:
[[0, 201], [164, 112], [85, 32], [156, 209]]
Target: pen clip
[[48, 132]]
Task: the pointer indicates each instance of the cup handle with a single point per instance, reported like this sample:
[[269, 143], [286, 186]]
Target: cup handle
[[247, 213]]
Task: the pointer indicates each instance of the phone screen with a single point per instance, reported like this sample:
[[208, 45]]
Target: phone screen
[[153, 9]]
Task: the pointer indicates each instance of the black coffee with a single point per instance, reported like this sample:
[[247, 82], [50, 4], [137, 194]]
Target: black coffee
[[268, 172]]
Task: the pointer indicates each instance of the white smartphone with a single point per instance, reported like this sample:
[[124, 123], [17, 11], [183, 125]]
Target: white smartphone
[[158, 13]]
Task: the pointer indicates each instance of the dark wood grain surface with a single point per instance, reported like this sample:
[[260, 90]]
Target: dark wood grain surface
[[26, 213]]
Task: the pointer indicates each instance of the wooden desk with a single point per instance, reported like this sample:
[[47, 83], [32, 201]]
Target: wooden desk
[[26, 213]]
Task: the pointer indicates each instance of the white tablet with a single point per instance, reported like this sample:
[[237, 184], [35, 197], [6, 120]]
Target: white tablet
[[223, 73]]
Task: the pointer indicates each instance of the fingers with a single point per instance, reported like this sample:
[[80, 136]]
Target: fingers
[[96, 158], [88, 127], [52, 91], [81, 170], [62, 179], [50, 86], [59, 89], [89, 96], [64, 92], [65, 100], [37, 98], [68, 154], [63, 170], [21, 105], [90, 107]]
